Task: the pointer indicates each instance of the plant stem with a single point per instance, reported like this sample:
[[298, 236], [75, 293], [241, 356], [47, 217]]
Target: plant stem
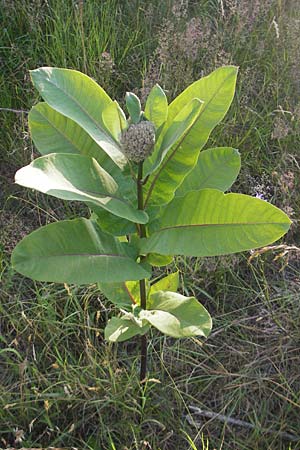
[[143, 295]]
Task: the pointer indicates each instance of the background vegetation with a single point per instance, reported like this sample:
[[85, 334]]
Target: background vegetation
[[61, 385]]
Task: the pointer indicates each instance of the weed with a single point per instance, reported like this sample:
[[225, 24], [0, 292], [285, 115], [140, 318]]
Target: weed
[[58, 382]]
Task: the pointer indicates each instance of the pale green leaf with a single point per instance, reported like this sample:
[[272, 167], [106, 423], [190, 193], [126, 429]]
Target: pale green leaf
[[216, 168], [216, 91], [156, 109], [209, 223], [80, 98], [76, 251], [119, 329], [177, 316], [78, 177]]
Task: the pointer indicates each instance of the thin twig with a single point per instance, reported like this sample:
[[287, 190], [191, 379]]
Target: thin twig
[[16, 111], [238, 422]]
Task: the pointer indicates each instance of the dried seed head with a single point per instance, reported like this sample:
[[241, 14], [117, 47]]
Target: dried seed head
[[138, 141]]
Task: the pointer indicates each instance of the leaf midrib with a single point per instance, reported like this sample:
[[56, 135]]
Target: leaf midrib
[[113, 255], [218, 225]]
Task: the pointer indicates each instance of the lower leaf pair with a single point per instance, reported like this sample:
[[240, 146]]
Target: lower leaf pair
[[171, 313]]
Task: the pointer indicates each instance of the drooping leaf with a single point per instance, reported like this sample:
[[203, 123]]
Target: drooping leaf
[[210, 223], [216, 91], [119, 329], [80, 98], [133, 105], [177, 316], [216, 168], [76, 251], [156, 109], [167, 283], [78, 177], [179, 128]]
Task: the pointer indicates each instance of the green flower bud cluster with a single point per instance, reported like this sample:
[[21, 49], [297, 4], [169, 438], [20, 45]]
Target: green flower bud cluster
[[138, 141]]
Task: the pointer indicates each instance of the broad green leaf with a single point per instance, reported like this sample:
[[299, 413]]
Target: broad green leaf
[[216, 91], [78, 177], [179, 128], [217, 168], [113, 120], [76, 251], [210, 223], [155, 259], [119, 329], [167, 283], [156, 109], [177, 316], [133, 105], [80, 98]]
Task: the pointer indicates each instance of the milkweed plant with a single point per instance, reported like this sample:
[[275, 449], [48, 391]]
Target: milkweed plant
[[151, 193]]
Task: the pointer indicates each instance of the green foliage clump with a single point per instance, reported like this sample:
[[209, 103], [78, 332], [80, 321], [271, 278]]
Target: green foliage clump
[[150, 191]]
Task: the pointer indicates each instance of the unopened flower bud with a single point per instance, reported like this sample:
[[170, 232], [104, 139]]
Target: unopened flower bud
[[138, 141]]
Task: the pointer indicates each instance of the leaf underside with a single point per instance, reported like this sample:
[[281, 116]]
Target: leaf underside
[[78, 177]]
